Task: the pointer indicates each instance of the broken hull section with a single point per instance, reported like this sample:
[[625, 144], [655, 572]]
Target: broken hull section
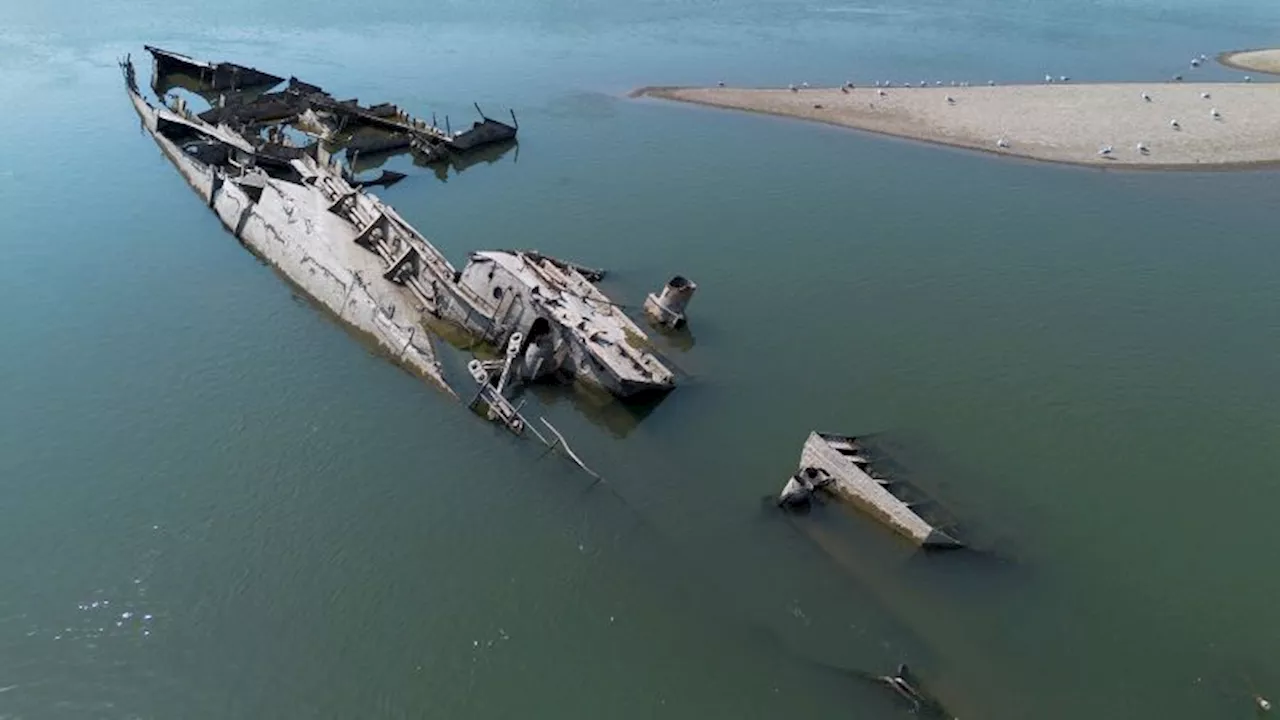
[[570, 325], [287, 225], [216, 76], [833, 464]]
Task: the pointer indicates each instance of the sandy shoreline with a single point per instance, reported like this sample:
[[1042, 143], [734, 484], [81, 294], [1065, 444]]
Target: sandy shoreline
[[1057, 123], [1264, 61]]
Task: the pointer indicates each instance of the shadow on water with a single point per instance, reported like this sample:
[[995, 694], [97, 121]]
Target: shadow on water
[[598, 406], [487, 155], [167, 82], [680, 339], [944, 490]]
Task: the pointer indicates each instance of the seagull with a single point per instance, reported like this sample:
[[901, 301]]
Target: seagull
[[1195, 62], [964, 83], [881, 93], [1248, 79], [991, 83], [1063, 78], [877, 83], [1202, 57], [1204, 96], [792, 87], [1213, 113], [1106, 150], [888, 83], [1002, 143], [1174, 124], [924, 83], [951, 100], [953, 83], [1177, 78], [1142, 148], [804, 84], [1048, 78], [720, 84], [937, 83], [1146, 97], [1263, 704]]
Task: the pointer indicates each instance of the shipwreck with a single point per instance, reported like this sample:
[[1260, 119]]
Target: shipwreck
[[245, 98], [839, 465], [298, 208]]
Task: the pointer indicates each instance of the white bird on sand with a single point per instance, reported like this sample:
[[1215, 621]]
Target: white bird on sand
[[1204, 96], [1174, 124], [1142, 148], [1146, 97], [888, 83], [877, 83], [1063, 78], [951, 100], [1248, 79], [991, 83], [1002, 142], [924, 83], [937, 83], [1213, 113], [1106, 150], [881, 93], [792, 87], [720, 84], [804, 84], [1048, 78], [1177, 78]]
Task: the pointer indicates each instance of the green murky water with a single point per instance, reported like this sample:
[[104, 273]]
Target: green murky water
[[216, 504]]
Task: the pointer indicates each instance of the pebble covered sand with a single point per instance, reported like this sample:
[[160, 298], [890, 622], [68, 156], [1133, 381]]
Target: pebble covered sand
[[1218, 125]]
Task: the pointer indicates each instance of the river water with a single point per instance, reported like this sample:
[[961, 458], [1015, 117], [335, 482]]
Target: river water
[[217, 504]]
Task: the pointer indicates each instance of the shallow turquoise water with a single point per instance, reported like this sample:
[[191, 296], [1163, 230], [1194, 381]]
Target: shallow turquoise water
[[1080, 365]]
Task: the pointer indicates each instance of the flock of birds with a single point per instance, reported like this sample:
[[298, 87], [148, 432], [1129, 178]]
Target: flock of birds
[[1002, 142]]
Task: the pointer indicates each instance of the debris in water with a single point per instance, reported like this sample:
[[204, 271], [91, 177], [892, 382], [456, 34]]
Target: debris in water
[[667, 308], [837, 464]]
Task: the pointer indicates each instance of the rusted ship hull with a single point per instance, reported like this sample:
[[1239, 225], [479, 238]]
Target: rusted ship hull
[[353, 254], [288, 225]]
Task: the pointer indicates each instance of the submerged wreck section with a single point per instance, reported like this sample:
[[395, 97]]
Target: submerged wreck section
[[372, 129], [567, 323], [280, 205], [836, 464], [297, 208], [214, 76]]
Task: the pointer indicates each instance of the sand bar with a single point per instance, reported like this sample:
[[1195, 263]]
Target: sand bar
[[1266, 61], [1066, 123]]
